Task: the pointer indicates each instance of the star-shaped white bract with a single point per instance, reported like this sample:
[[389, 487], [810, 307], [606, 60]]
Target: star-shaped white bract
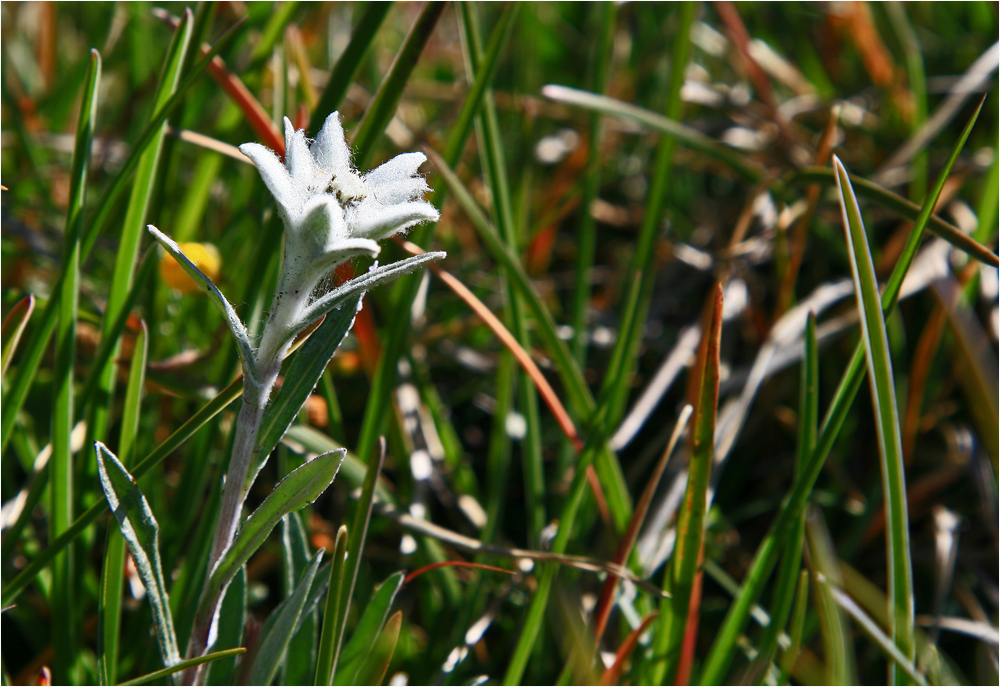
[[331, 212]]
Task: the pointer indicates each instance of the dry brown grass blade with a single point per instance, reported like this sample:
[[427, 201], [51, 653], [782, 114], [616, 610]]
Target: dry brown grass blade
[[613, 674]]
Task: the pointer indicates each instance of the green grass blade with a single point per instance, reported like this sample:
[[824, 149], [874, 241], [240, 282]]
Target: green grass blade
[[112, 576], [889, 647], [366, 632], [491, 147], [13, 327], [675, 619], [180, 435], [904, 208], [838, 646], [795, 631], [791, 561], [143, 186], [383, 105], [61, 463], [880, 378], [39, 339], [142, 535], [359, 527], [324, 660], [272, 643], [348, 64], [184, 665], [776, 540], [689, 137]]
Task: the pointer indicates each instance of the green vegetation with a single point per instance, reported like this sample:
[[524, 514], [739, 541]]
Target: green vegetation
[[704, 390]]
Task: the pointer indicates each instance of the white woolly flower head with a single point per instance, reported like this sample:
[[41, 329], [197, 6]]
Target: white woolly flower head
[[331, 211]]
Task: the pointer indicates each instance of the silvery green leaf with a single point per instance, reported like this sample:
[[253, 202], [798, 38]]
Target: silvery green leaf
[[272, 643], [366, 282], [236, 326], [142, 535], [302, 486]]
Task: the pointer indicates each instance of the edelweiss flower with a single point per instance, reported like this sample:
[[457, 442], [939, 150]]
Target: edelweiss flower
[[330, 211], [331, 214]]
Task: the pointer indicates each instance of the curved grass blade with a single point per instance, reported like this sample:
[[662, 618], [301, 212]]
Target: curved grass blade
[[349, 62], [676, 619], [795, 631], [39, 339], [363, 640], [13, 327], [299, 665], [145, 182], [791, 561], [61, 484], [279, 628], [383, 105], [777, 538], [889, 647], [324, 660], [880, 378], [838, 646], [903, 207], [692, 138], [236, 326], [184, 665], [142, 535], [112, 576]]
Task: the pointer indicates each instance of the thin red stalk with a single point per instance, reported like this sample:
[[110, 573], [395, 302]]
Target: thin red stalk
[[614, 673], [453, 564]]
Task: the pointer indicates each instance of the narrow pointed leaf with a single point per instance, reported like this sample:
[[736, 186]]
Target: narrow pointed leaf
[[298, 489], [882, 383], [142, 535], [279, 628], [374, 669], [685, 563], [232, 620], [328, 637], [184, 665], [301, 377], [366, 282]]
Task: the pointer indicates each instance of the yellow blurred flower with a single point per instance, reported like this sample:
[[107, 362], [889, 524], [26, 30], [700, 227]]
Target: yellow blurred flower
[[204, 255]]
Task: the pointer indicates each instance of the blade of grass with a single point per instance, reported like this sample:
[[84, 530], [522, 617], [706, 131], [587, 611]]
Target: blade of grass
[[888, 646], [13, 327], [383, 105], [580, 400], [112, 577], [613, 674], [881, 380], [491, 150], [232, 620], [681, 578], [324, 661], [667, 125], [776, 540], [359, 526], [901, 206], [159, 675], [791, 561], [61, 484], [795, 631], [145, 181], [348, 64], [38, 342]]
